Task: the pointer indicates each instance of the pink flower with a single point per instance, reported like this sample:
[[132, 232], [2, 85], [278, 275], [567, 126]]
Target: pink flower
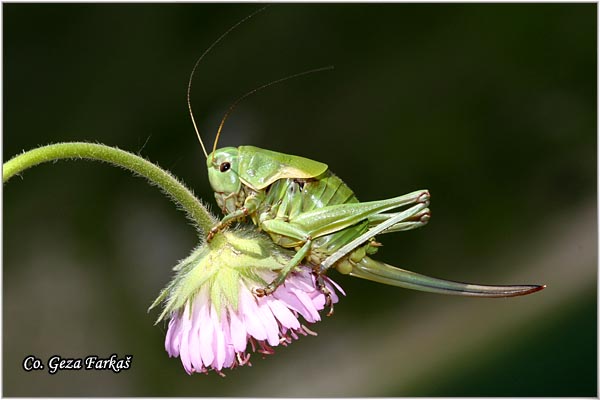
[[209, 339], [216, 320]]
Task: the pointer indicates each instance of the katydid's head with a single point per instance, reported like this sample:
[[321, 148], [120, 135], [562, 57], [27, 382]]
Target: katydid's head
[[222, 165]]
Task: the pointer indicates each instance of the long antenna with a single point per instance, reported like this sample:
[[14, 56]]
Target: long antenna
[[266, 85], [189, 89]]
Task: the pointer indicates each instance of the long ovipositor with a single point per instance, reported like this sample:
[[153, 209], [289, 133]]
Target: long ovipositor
[[377, 271]]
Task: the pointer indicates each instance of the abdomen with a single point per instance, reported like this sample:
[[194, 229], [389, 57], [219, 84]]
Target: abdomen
[[290, 197]]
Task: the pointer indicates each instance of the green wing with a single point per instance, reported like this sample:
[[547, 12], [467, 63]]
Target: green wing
[[259, 167]]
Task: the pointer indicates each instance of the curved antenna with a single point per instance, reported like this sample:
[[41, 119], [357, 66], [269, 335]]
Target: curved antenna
[[266, 85], [189, 89]]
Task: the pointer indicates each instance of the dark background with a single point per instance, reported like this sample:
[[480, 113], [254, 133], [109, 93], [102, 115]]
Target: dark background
[[492, 107]]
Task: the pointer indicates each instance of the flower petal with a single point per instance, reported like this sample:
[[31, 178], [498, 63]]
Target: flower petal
[[194, 340], [330, 282], [172, 338], [206, 334], [282, 313], [250, 314], [238, 332], [230, 352], [186, 326], [269, 322], [219, 343], [312, 315]]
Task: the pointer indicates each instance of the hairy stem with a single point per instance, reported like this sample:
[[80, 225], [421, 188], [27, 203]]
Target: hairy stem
[[79, 150]]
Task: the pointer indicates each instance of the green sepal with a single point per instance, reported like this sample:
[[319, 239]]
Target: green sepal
[[222, 266]]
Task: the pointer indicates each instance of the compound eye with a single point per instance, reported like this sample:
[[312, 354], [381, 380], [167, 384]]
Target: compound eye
[[224, 167]]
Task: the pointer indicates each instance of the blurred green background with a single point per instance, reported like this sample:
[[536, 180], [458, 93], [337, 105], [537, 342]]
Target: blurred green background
[[492, 107]]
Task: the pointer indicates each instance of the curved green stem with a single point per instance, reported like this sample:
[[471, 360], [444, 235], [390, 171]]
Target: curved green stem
[[79, 150]]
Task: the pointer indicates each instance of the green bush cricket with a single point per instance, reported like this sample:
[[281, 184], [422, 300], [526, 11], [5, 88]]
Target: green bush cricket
[[302, 205]]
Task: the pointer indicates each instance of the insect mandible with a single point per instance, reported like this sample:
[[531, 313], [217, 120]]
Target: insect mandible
[[303, 206]]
